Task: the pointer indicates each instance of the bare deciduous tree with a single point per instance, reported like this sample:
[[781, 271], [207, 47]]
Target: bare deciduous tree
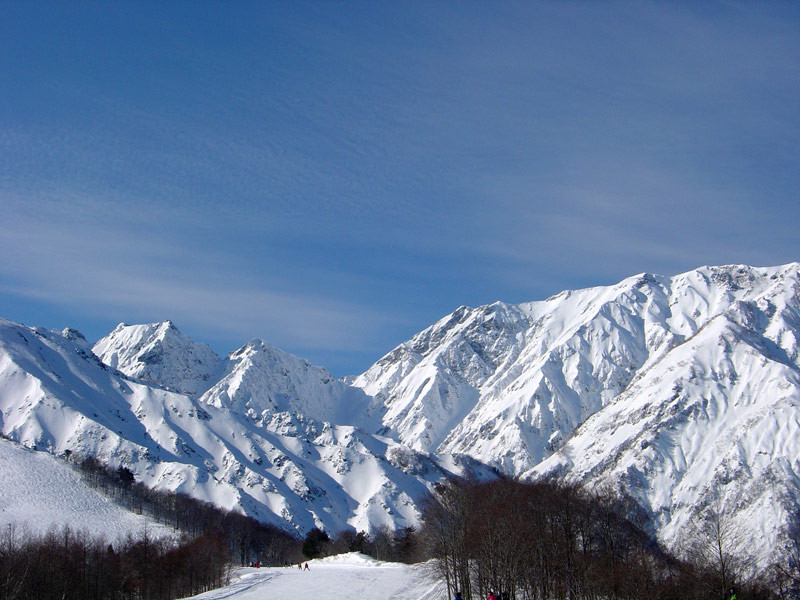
[[718, 547]]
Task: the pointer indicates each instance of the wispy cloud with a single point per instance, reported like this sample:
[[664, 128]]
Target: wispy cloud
[[132, 268], [337, 178]]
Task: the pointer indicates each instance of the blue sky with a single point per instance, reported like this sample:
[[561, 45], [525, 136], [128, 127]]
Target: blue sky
[[333, 177]]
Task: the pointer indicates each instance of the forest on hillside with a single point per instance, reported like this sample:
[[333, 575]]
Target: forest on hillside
[[64, 564], [548, 540], [522, 540]]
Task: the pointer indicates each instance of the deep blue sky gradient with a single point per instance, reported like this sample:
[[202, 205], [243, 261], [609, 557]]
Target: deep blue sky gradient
[[333, 177]]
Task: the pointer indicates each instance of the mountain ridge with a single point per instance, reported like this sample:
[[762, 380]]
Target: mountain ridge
[[531, 392], [625, 385], [289, 470], [561, 340]]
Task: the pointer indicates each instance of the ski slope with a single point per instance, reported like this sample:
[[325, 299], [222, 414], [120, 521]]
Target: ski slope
[[350, 575], [39, 492]]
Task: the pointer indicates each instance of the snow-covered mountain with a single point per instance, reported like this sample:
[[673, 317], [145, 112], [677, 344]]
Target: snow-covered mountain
[[256, 381], [234, 446], [714, 425], [259, 380], [158, 353], [685, 391], [509, 384]]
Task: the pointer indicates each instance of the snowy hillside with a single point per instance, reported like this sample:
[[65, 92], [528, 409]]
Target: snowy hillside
[[714, 425], [288, 469], [691, 383], [39, 491]]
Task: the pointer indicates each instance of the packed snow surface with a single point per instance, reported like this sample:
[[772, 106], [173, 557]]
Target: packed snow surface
[[39, 492], [345, 576]]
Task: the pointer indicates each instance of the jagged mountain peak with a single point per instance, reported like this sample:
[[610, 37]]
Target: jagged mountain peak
[[158, 329], [287, 467], [680, 391], [257, 380], [574, 379], [554, 362], [74, 335], [258, 349], [158, 353], [260, 380]]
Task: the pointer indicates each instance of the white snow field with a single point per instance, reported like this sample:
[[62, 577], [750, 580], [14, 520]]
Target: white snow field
[[350, 575], [39, 492]]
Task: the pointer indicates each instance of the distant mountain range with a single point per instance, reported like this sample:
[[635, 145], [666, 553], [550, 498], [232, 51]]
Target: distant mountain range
[[682, 392]]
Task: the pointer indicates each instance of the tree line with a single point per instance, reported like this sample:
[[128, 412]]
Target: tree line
[[247, 539], [72, 565], [66, 564], [529, 540], [553, 541]]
